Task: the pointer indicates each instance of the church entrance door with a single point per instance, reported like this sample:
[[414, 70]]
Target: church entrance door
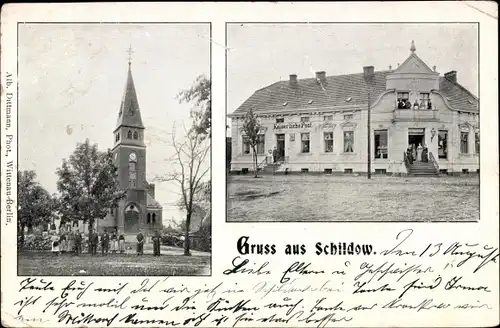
[[131, 224]]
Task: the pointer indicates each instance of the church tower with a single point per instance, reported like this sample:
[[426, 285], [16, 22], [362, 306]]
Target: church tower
[[129, 153]]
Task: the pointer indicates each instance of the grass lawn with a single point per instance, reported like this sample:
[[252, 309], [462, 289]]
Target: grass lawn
[[351, 198], [170, 264]]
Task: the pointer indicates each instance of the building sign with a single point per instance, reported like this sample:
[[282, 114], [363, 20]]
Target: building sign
[[298, 125]]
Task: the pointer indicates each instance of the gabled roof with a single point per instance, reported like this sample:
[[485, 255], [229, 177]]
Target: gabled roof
[[413, 64], [339, 91], [151, 202], [129, 114]]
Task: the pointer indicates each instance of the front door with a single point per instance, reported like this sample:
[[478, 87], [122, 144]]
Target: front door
[[416, 139], [280, 146], [131, 224]]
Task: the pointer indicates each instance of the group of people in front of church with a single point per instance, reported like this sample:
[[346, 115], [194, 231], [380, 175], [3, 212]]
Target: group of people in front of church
[[74, 241], [406, 104], [417, 153]]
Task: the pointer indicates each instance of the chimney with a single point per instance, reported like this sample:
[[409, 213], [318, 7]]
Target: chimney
[[451, 76], [293, 78], [368, 72], [321, 76]]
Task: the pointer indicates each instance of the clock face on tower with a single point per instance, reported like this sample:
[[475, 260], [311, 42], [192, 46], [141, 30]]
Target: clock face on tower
[[132, 157]]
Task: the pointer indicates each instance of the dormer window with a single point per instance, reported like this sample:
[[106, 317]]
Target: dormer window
[[136, 135], [129, 134]]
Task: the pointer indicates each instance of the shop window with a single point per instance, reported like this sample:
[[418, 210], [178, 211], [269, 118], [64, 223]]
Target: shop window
[[380, 171], [328, 118], [261, 143], [443, 144], [328, 171], [305, 142], [280, 120], [347, 170], [348, 141], [476, 142], [381, 144], [464, 142], [246, 145], [403, 99], [304, 119], [304, 170], [328, 138]]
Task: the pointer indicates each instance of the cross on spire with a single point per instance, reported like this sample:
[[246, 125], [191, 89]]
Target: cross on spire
[[130, 52]]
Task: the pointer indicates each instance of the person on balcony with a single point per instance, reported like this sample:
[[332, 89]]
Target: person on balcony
[[408, 104], [415, 104], [413, 152], [429, 104]]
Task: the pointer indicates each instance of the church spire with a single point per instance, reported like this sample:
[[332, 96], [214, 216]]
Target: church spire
[[129, 114]]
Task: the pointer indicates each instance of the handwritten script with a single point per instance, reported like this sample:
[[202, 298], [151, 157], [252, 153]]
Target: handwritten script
[[317, 291]]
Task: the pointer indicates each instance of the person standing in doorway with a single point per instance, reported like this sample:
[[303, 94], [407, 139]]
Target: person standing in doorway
[[275, 155], [413, 152], [419, 152], [409, 155], [140, 243], [425, 154], [156, 243]]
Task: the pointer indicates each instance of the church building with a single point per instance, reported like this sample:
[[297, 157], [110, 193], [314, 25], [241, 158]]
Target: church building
[[325, 124], [139, 210]]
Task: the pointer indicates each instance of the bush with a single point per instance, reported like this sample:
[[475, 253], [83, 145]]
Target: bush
[[37, 242]]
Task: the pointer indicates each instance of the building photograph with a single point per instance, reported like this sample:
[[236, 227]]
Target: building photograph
[[349, 100], [103, 110]]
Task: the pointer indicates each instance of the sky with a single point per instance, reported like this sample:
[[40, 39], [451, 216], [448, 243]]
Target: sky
[[71, 81], [261, 54]]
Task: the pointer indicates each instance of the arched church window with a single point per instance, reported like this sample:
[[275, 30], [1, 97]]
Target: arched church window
[[136, 135], [149, 218], [132, 172], [129, 134], [154, 218]]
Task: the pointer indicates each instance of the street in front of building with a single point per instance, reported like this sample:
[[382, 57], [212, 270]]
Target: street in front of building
[[352, 198]]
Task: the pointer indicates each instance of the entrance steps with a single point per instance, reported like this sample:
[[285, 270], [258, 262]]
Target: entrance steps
[[422, 169], [271, 168]]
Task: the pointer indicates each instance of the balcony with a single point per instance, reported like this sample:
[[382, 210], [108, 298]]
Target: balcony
[[423, 115]]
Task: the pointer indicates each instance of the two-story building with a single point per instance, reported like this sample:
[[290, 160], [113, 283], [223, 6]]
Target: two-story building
[[323, 124]]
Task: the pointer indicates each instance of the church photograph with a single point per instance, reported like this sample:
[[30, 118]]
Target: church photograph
[[108, 115], [347, 122]]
